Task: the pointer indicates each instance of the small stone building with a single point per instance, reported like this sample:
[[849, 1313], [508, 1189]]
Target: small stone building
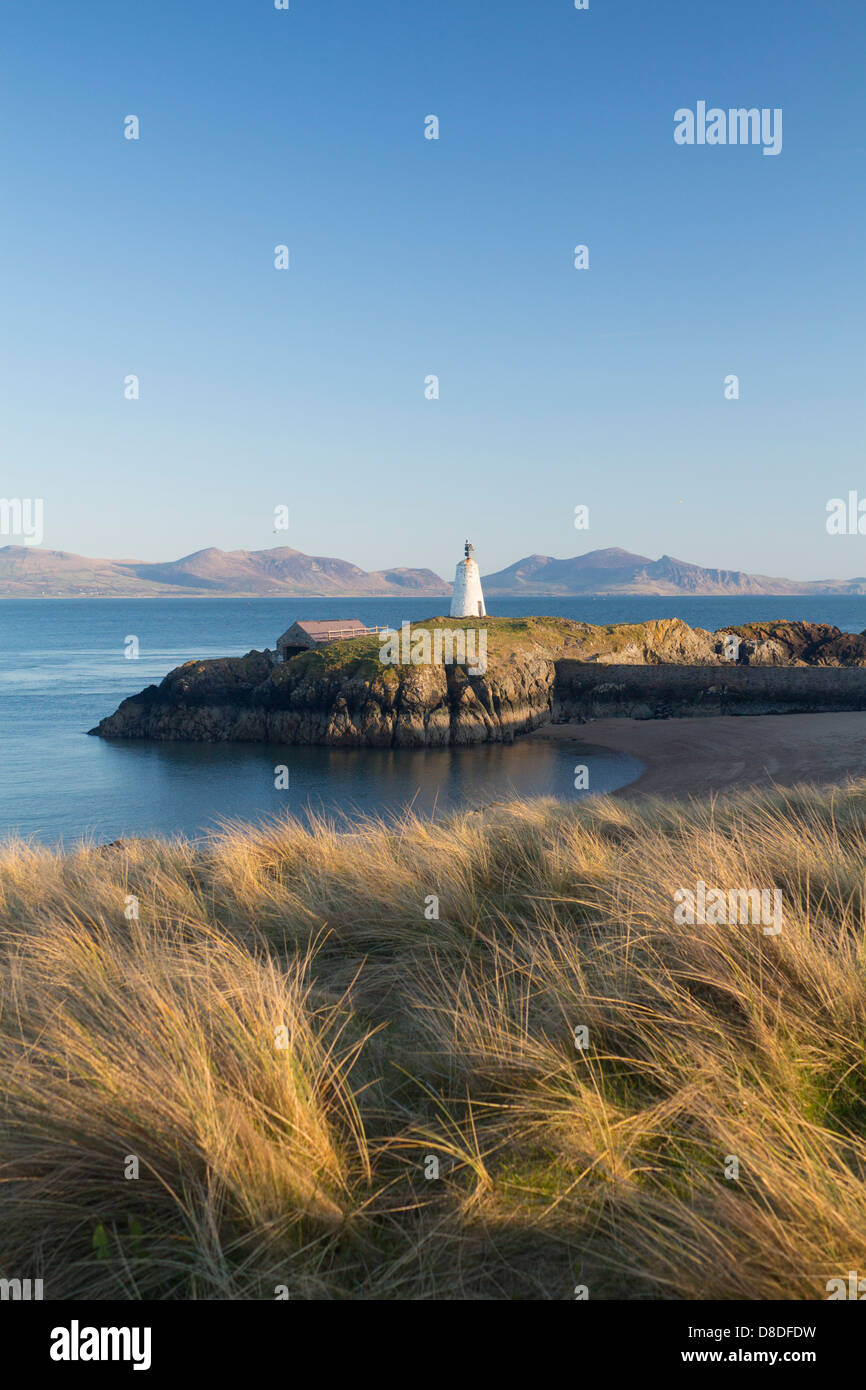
[[305, 636]]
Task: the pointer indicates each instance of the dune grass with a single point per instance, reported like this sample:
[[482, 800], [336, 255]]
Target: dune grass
[[327, 1091]]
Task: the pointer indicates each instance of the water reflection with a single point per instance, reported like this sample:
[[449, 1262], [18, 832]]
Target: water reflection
[[192, 787]]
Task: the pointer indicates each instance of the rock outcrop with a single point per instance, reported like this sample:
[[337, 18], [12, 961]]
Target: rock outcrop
[[251, 700], [538, 669]]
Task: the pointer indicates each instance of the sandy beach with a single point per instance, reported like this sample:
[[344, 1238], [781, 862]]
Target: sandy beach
[[687, 757]]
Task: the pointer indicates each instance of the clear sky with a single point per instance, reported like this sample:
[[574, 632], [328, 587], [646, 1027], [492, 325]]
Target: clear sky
[[412, 257]]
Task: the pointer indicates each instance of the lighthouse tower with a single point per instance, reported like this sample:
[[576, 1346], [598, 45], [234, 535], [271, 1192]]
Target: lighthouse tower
[[468, 600]]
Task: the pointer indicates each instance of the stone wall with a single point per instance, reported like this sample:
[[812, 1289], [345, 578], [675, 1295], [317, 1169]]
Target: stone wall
[[588, 691]]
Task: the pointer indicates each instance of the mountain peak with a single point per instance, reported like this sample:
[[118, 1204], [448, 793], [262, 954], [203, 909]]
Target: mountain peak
[[613, 570]]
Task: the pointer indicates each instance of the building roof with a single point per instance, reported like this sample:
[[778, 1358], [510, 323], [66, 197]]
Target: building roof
[[317, 631], [321, 628]]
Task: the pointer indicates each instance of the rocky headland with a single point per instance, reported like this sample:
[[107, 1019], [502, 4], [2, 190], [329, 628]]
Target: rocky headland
[[538, 670]]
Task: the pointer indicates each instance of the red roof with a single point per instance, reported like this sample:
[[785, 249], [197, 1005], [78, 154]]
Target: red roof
[[327, 626], [319, 631]]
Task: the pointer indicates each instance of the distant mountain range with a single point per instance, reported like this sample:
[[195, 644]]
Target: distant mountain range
[[28, 572], [616, 571]]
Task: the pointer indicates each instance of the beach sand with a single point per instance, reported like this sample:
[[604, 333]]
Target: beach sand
[[688, 757]]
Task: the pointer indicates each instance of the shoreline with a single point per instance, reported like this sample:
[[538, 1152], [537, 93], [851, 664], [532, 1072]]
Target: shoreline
[[727, 753]]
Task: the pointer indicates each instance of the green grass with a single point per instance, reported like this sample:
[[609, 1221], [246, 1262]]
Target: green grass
[[358, 658]]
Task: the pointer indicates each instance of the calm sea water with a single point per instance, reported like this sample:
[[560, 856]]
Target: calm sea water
[[62, 667]]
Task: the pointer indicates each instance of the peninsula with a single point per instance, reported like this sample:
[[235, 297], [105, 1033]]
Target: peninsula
[[538, 670]]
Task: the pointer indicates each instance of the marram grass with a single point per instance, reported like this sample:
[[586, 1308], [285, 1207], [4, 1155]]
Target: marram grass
[[286, 1046]]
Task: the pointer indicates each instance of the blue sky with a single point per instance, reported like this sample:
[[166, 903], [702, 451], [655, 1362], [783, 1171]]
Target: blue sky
[[412, 257]]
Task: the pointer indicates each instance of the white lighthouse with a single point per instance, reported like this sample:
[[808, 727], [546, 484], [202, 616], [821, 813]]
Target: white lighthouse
[[468, 600]]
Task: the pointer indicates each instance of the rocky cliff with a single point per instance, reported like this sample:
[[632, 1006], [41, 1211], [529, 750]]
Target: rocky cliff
[[344, 696], [537, 669]]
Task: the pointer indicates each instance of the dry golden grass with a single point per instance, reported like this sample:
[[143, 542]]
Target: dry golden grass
[[285, 1043]]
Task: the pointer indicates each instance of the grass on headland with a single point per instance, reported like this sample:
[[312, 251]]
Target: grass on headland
[[286, 1047], [507, 639]]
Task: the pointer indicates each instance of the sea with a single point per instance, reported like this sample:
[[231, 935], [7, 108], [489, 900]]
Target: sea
[[63, 666]]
